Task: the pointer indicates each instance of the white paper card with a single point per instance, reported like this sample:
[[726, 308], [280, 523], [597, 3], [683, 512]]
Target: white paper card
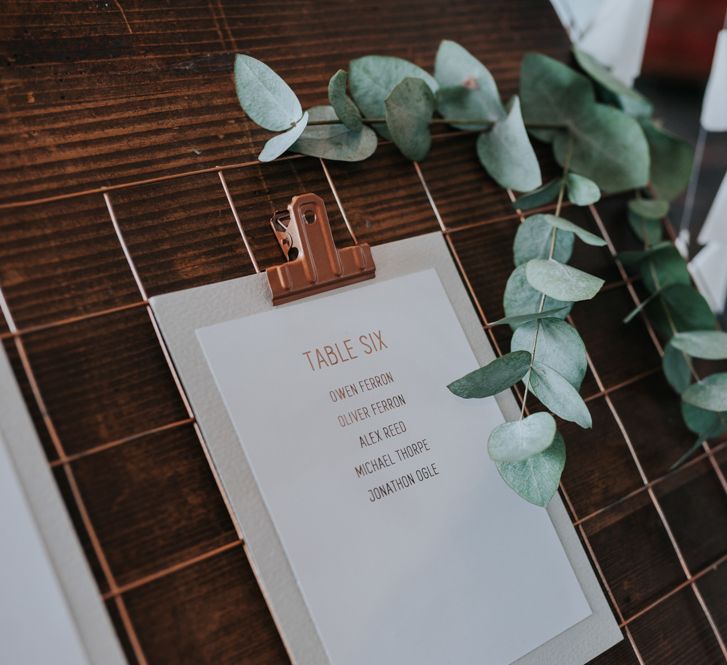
[[406, 544]]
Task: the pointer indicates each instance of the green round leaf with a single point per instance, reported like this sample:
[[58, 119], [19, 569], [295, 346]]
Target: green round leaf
[[688, 310], [551, 92], [558, 394], [707, 424], [559, 345], [409, 110], [494, 377], [373, 77], [613, 90], [649, 208], [264, 96], [566, 225], [521, 298], [533, 240], [664, 267], [582, 191], [644, 303], [536, 479], [468, 90], [671, 161], [650, 231], [345, 109], [606, 146], [538, 197], [676, 368], [277, 145], [707, 344], [710, 393], [560, 281], [517, 440], [506, 154], [335, 142]]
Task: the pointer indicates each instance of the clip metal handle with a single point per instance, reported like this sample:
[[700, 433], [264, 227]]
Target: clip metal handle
[[314, 263]]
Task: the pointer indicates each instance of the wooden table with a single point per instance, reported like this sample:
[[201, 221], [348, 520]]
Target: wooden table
[[120, 128]]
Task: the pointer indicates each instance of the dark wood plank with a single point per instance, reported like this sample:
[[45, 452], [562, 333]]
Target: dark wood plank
[[89, 101], [634, 553], [695, 504], [60, 260], [600, 468], [212, 612], [677, 632], [104, 379], [382, 197], [181, 233], [619, 352], [154, 503], [650, 411]]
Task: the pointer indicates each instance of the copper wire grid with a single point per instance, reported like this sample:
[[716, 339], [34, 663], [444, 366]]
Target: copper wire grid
[[66, 461]]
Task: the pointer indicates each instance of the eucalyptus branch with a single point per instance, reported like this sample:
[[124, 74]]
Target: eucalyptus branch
[[612, 146], [484, 124], [551, 252]]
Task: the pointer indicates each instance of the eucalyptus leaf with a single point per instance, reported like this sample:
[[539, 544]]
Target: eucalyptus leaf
[[335, 142], [538, 197], [708, 424], [664, 267], [559, 345], [568, 226], [409, 109], [671, 161], [264, 96], [561, 281], [710, 393], [277, 145], [676, 368], [515, 321], [558, 394], [517, 440], [607, 146], [468, 91], [521, 298], [534, 237], [613, 90], [650, 231], [582, 191], [346, 110], [693, 449], [707, 344], [536, 479], [545, 134], [494, 377], [687, 308], [633, 257], [642, 305], [506, 154], [373, 77], [551, 92], [649, 208]]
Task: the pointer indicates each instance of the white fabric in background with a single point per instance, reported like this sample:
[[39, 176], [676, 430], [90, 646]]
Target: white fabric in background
[[714, 107], [715, 226], [709, 269], [612, 31]]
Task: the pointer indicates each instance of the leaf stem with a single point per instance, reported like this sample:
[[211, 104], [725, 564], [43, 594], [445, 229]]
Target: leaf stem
[[437, 121], [551, 252]]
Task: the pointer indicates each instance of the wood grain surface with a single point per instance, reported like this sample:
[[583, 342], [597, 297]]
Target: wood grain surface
[[127, 107]]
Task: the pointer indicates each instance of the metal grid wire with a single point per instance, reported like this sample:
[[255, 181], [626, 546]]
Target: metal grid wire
[[65, 461]]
